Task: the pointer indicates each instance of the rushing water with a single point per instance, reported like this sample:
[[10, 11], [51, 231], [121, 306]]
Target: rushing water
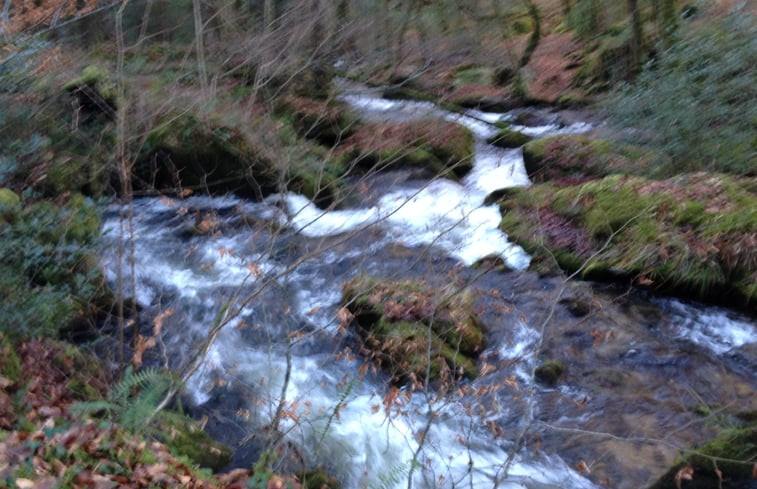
[[278, 267]]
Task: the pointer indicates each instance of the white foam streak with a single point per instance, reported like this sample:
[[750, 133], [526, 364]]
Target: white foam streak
[[712, 328], [443, 214]]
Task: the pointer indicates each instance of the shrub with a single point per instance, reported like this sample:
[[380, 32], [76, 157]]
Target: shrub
[[47, 280], [696, 102]]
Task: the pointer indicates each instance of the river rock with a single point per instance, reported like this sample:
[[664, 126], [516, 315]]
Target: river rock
[[436, 147], [509, 138], [186, 152], [326, 121], [692, 235], [398, 319]]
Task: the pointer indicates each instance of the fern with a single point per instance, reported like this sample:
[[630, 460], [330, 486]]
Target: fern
[[132, 400], [394, 475], [335, 412]]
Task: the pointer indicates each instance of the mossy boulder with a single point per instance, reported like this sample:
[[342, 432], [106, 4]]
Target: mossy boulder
[[400, 322], [693, 235], [327, 122], [94, 91], [549, 372], [437, 148], [509, 138], [732, 452], [576, 158], [185, 152]]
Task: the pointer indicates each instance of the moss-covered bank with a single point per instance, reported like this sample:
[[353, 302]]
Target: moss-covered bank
[[577, 158], [437, 148], [692, 235], [401, 322]]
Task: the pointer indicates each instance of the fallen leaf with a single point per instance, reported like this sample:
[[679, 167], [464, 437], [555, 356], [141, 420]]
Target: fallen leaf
[[684, 474], [583, 467]]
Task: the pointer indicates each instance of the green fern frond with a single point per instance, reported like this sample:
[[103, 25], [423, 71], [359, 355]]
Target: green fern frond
[[394, 475], [90, 408], [132, 381]]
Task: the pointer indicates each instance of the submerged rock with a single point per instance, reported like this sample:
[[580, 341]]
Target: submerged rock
[[400, 322], [693, 235]]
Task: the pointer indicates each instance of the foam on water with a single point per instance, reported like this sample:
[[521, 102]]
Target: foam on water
[[363, 441], [443, 214], [713, 328]]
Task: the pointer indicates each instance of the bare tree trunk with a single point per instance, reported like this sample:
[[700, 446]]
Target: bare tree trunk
[[5, 20], [200, 46], [533, 41], [269, 15], [636, 36]]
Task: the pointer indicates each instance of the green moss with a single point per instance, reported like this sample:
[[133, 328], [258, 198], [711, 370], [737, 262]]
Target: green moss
[[734, 449], [184, 437], [508, 138], [479, 75], [687, 235], [401, 322], [8, 197], [549, 372]]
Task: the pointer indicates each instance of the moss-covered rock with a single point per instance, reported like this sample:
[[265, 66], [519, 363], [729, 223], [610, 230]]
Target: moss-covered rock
[[400, 322], [732, 452], [185, 152], [327, 122], [8, 197], [94, 90], [433, 146], [548, 372], [509, 138], [693, 235], [575, 158]]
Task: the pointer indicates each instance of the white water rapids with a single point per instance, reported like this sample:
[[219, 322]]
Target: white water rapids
[[336, 420]]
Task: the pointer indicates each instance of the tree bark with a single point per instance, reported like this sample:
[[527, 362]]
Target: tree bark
[[533, 41], [636, 47]]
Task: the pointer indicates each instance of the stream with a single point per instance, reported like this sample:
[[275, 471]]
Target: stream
[[642, 373]]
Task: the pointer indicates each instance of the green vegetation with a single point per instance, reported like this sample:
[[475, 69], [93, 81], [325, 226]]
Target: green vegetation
[[400, 322], [49, 280], [724, 453], [695, 102], [509, 138]]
